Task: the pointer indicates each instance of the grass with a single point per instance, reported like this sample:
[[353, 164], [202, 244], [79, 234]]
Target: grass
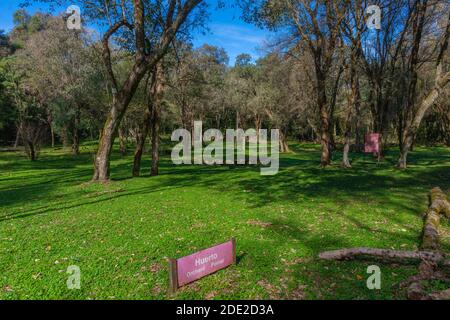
[[122, 233]]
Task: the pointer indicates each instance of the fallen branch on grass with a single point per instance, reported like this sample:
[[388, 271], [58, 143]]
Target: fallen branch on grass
[[431, 261], [390, 256]]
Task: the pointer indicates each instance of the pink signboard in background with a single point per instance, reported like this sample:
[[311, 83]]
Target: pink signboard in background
[[373, 143], [201, 264]]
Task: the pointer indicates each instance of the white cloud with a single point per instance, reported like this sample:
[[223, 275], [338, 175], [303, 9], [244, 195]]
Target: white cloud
[[237, 33]]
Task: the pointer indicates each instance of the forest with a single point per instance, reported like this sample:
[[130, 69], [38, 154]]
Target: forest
[[327, 78], [92, 97]]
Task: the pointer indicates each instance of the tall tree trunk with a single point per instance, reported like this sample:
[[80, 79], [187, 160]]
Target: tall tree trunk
[[314, 131], [107, 136], [65, 136], [122, 142], [16, 143], [238, 120], [155, 141], [140, 144], [52, 129], [156, 117], [358, 136], [31, 150], [325, 159], [447, 129], [119, 106], [333, 124], [284, 146], [52, 135], [176, 17], [76, 132], [411, 129], [415, 116], [348, 131], [353, 100]]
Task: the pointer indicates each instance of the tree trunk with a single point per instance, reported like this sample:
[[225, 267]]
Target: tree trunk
[[156, 117], [119, 106], [324, 122], [238, 122], [333, 124], [76, 133], [16, 143], [284, 146], [110, 130], [410, 130], [258, 122], [52, 135], [65, 136], [345, 158], [122, 95], [140, 144], [31, 150], [353, 100], [315, 132], [412, 121], [155, 141], [325, 158], [122, 142]]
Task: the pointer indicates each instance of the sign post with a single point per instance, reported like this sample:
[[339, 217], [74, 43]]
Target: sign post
[[372, 145], [173, 279], [196, 266]]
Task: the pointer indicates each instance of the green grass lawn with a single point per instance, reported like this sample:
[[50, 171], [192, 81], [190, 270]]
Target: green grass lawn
[[121, 234]]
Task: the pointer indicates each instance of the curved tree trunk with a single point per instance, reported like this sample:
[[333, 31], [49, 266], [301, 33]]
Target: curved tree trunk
[[176, 17], [410, 130], [415, 116], [109, 133], [101, 161]]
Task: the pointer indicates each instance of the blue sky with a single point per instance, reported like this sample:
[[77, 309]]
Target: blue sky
[[227, 30]]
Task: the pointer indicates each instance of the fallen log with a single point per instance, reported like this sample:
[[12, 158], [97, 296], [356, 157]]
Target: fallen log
[[438, 205], [439, 202], [443, 295], [431, 261]]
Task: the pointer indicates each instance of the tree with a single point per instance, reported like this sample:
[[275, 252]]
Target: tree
[[317, 24], [145, 29], [58, 58], [415, 114], [149, 50]]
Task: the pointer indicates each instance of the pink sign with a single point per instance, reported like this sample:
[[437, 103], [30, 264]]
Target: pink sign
[[373, 143], [201, 264]]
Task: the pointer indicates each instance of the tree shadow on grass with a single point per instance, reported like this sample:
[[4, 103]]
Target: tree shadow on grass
[[300, 179]]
